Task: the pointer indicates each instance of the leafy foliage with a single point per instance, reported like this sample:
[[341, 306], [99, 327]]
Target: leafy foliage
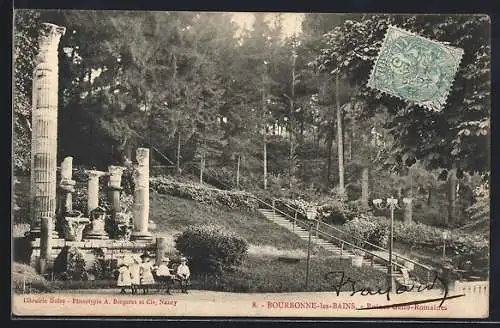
[[211, 249], [70, 264], [211, 196], [366, 229], [438, 137]]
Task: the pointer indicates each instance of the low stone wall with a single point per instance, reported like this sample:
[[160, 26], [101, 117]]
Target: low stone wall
[[112, 249]]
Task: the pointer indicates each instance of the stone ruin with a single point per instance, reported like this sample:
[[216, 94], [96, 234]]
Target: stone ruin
[[55, 224]]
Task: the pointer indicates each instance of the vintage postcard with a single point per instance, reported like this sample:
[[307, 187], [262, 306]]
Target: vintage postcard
[[237, 164]]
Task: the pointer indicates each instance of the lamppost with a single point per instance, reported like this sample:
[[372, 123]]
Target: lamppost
[[311, 213], [392, 204]]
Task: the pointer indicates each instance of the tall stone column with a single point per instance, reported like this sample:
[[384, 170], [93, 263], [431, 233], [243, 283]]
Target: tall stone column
[[93, 189], [141, 197], [43, 194], [96, 214], [115, 187]]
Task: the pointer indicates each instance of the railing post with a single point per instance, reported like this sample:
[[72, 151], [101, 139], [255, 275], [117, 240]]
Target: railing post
[[294, 220], [317, 227], [274, 208], [371, 261], [341, 248], [428, 277]]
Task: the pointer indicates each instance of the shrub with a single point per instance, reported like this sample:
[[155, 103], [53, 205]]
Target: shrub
[[364, 228], [202, 194], [211, 249], [21, 249], [464, 247], [70, 264], [21, 203], [25, 276]]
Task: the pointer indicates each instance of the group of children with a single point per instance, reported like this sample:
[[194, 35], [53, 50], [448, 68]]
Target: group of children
[[135, 273]]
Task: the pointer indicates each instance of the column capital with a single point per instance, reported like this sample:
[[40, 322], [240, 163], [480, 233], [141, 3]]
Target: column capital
[[48, 40], [53, 28], [142, 156], [67, 185], [115, 176], [94, 174]]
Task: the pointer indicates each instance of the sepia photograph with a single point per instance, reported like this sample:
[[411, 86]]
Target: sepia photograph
[[250, 164]]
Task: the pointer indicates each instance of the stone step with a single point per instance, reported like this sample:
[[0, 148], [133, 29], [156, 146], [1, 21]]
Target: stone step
[[302, 233]]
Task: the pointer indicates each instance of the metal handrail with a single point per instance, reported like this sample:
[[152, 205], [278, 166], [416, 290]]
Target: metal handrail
[[331, 236], [365, 241], [359, 248]]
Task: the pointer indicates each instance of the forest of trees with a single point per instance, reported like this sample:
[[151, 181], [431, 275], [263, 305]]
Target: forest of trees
[[259, 110]]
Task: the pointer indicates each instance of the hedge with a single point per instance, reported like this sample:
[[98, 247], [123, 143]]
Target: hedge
[[209, 196]]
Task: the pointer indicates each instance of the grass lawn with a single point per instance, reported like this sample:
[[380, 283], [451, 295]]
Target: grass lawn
[[172, 215], [270, 274], [263, 274]]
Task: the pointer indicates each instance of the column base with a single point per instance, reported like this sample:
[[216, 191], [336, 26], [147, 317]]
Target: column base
[[141, 236], [101, 235], [35, 233]]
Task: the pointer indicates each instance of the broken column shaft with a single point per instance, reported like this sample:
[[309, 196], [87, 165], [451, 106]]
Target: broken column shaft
[[141, 197]]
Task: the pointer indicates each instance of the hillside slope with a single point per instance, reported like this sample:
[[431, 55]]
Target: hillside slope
[[172, 215]]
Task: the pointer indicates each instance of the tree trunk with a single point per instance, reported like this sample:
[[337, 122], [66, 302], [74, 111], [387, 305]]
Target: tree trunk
[[178, 162], [409, 208], [329, 159], [364, 186], [238, 172], [290, 154], [340, 141], [452, 196], [290, 164], [265, 162], [202, 166], [350, 139], [264, 130]]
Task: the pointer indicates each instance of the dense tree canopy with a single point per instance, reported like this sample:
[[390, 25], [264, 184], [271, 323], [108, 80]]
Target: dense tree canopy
[[203, 92]]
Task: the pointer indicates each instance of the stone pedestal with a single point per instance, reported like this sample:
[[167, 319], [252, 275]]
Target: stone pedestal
[[98, 221], [43, 193], [74, 226], [93, 190], [66, 189], [141, 197]]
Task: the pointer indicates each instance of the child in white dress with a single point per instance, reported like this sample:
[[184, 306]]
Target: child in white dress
[[135, 277], [124, 279], [146, 273]]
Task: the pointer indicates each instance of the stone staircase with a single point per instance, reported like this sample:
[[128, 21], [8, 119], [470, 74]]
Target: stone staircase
[[325, 244]]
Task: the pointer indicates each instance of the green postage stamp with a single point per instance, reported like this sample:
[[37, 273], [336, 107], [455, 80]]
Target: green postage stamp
[[415, 69]]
